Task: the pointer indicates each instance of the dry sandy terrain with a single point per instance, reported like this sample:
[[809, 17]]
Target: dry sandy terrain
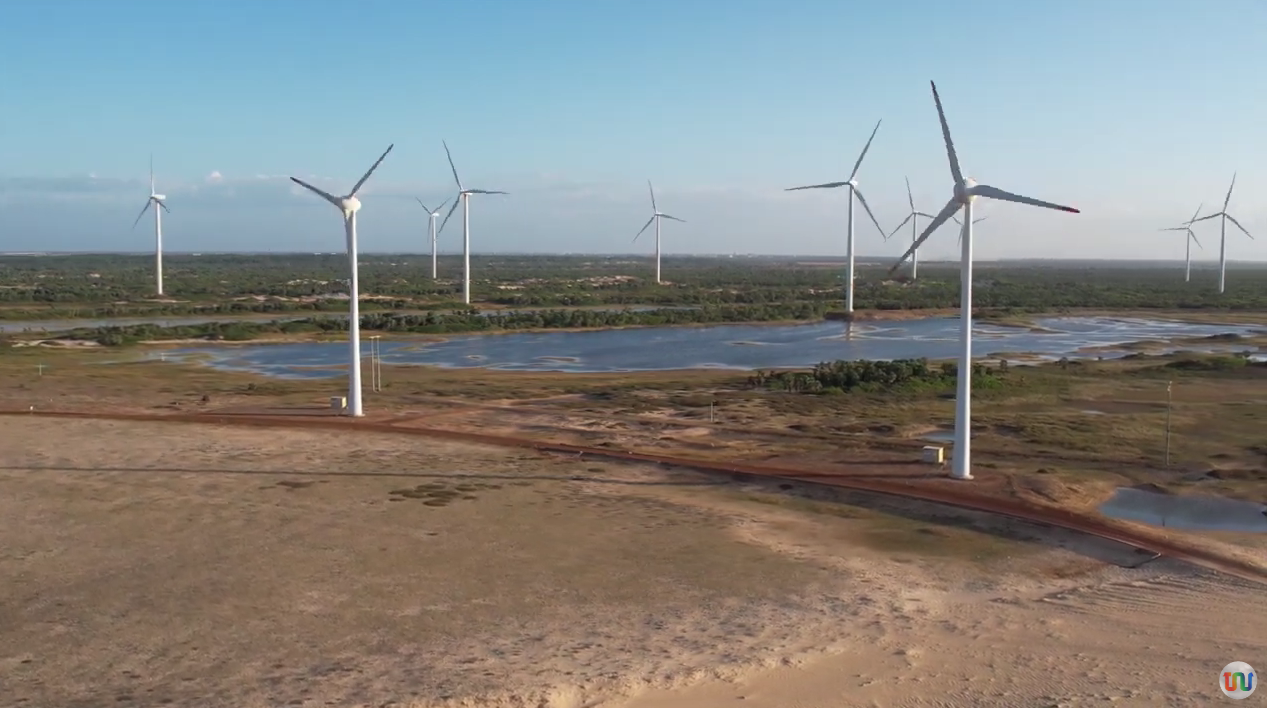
[[150, 564]]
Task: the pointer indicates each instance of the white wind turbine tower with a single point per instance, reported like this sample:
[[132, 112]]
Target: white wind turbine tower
[[1188, 240], [433, 213], [155, 200], [852, 184], [656, 215], [912, 217], [965, 190], [464, 198], [1225, 217], [349, 205]]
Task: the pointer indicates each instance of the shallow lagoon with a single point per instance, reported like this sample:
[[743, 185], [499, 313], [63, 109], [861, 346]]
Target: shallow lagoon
[[742, 347]]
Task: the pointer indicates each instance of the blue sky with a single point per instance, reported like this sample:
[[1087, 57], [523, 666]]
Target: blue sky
[[1132, 110]]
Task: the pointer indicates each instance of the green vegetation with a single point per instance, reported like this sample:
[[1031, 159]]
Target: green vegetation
[[876, 376], [445, 322], [95, 286]]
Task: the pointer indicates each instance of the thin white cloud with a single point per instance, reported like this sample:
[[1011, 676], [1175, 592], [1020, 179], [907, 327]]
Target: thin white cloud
[[215, 177]]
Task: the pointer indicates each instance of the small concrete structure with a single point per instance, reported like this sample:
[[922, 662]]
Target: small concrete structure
[[338, 403], [934, 454]]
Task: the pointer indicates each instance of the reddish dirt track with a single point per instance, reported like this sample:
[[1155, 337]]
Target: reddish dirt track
[[921, 490]]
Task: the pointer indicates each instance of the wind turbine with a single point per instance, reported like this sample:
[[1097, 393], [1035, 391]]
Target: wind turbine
[[912, 217], [965, 190], [349, 205], [656, 215], [959, 239], [156, 200], [464, 198], [433, 214], [1191, 238], [852, 184], [1225, 217]]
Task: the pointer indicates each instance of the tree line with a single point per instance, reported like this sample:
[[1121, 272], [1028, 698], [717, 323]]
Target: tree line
[[869, 376]]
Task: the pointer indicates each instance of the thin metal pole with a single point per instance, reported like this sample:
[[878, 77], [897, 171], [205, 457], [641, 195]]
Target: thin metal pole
[[1169, 400]]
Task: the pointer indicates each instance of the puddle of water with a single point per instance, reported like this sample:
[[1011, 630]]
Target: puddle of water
[[1196, 513]]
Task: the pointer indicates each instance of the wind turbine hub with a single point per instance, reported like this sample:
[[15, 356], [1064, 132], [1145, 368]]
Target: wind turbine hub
[[350, 205], [853, 183], [158, 197], [963, 190]]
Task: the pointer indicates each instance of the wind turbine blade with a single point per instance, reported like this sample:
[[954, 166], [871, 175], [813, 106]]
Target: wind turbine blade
[[910, 198], [959, 238], [452, 209], [652, 191], [977, 221], [1229, 192], [644, 228], [899, 226], [951, 208], [485, 191], [1193, 236], [1238, 225], [865, 148], [945, 134], [829, 185], [437, 209], [424, 206], [373, 167], [324, 195], [983, 190], [1208, 216], [138, 216], [156, 201], [666, 216], [151, 173], [863, 200], [925, 214], [455, 170], [1196, 213], [1177, 228]]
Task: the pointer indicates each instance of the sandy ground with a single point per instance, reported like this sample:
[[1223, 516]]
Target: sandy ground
[[152, 564]]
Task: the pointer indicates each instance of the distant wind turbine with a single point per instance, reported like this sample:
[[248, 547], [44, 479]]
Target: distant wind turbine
[[912, 217], [349, 205], [965, 190], [959, 239], [1225, 217], [433, 214], [852, 184], [656, 215], [1190, 239], [155, 200], [464, 198]]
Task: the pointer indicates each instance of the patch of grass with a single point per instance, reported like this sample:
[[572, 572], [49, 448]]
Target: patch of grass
[[441, 493]]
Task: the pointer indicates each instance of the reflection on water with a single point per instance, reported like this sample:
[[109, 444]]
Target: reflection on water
[[743, 347], [1202, 513]]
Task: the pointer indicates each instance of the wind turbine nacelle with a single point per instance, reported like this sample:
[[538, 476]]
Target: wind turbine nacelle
[[350, 204], [963, 192], [159, 197]]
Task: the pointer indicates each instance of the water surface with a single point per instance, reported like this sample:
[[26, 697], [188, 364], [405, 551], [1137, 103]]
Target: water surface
[[742, 347], [1199, 513]]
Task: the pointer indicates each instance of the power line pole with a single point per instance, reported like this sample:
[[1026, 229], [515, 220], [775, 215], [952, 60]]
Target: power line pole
[[1169, 400]]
